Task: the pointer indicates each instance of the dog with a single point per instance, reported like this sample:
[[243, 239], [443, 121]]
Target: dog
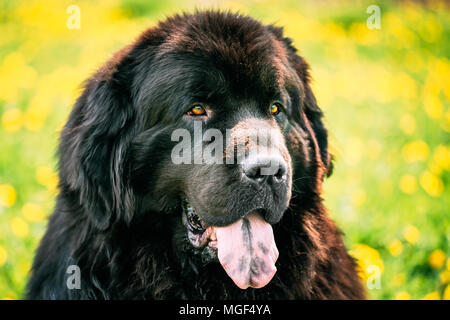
[[142, 214]]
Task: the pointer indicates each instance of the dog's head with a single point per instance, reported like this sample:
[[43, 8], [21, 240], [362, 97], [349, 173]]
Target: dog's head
[[206, 117]]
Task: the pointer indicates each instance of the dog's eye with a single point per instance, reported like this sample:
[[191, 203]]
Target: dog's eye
[[197, 110], [275, 109]]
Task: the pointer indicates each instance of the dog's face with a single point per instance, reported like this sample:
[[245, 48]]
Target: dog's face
[[224, 131]]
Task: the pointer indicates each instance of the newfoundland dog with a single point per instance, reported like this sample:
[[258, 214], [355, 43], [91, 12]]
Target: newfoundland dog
[[166, 192]]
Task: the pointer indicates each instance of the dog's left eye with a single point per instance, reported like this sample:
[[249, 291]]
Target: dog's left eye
[[275, 109], [197, 110]]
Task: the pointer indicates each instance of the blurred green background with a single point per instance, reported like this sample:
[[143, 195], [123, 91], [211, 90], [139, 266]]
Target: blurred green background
[[385, 94]]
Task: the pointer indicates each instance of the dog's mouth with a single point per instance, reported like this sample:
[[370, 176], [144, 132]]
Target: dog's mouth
[[246, 248], [198, 232]]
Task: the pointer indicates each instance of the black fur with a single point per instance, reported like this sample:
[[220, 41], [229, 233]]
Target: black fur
[[118, 214]]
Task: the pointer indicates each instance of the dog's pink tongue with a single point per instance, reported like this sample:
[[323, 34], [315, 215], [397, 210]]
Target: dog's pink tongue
[[247, 251]]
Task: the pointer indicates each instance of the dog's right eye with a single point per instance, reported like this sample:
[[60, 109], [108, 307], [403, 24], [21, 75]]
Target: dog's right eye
[[197, 110], [275, 109]]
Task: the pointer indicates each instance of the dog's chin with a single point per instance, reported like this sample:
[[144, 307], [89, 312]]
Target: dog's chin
[[245, 248]]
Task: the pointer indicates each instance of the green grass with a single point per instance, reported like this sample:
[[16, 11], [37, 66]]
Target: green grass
[[380, 91]]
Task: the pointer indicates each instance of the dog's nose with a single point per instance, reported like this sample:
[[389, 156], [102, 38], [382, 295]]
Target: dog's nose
[[265, 168]]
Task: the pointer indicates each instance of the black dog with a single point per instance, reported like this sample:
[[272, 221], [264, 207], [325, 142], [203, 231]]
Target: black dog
[[140, 224]]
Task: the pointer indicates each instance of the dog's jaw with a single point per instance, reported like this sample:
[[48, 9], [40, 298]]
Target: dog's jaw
[[246, 249]]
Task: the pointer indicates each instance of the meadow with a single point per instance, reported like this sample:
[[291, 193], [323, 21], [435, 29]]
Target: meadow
[[385, 93]]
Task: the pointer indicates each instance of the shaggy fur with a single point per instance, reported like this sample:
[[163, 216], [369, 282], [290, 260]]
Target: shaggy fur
[[118, 215]]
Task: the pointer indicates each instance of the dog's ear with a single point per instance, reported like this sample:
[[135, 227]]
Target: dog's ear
[[94, 145], [315, 116], [310, 107]]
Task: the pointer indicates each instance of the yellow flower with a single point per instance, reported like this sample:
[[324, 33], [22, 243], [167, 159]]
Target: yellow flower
[[433, 106], [396, 27], [8, 195], [445, 124], [42, 17], [12, 119], [24, 268], [10, 296], [430, 29], [434, 168], [432, 184], [411, 234], [3, 256], [445, 276], [446, 295], [441, 157], [32, 212], [399, 279], [34, 119], [366, 257], [448, 264], [402, 295], [405, 86], [442, 74], [395, 247], [19, 227], [47, 177], [363, 35], [415, 151], [408, 123], [41, 104], [14, 75], [413, 61], [432, 296], [358, 197], [437, 259], [408, 184]]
